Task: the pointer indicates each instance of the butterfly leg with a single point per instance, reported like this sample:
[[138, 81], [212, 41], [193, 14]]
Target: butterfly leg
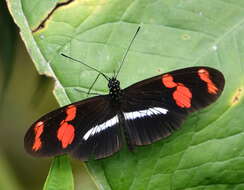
[[93, 84], [82, 91], [89, 90]]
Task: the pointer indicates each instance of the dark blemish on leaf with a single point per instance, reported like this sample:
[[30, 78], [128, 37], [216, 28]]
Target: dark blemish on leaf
[[42, 24], [237, 96], [159, 70]]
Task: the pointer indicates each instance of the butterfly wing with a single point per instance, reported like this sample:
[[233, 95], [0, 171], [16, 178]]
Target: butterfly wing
[[100, 141], [65, 129], [156, 107]]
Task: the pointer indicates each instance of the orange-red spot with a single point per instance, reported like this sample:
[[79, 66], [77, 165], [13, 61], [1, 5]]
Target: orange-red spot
[[204, 75], [168, 81], [38, 129], [66, 133], [71, 113], [182, 95]]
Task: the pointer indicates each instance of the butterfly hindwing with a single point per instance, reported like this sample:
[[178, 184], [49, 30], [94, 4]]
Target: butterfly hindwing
[[102, 137], [66, 128], [150, 123], [102, 140], [155, 107]]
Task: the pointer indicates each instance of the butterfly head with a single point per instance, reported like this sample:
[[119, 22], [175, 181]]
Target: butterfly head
[[114, 88]]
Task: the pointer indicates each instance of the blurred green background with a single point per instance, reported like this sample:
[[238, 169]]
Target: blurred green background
[[24, 96]]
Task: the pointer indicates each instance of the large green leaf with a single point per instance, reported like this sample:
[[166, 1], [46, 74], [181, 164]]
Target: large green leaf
[[207, 153]]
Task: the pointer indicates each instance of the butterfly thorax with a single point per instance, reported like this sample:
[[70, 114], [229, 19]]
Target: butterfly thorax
[[114, 89]]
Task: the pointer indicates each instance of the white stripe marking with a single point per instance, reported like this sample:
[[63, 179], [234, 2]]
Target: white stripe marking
[[98, 128], [143, 113]]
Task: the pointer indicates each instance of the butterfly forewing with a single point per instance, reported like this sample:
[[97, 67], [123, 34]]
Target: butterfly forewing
[[44, 136], [155, 107], [64, 129]]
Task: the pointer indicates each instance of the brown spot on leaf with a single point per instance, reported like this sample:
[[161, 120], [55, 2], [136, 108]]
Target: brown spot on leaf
[[237, 96], [159, 70]]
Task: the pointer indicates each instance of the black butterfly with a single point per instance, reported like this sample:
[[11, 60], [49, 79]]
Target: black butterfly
[[137, 115]]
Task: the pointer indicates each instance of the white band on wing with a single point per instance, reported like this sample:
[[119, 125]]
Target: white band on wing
[[143, 113], [101, 127]]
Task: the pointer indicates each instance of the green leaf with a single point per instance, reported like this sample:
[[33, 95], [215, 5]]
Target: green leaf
[[207, 153], [60, 171]]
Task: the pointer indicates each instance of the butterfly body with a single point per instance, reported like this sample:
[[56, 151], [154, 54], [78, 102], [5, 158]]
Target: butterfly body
[[115, 91], [140, 114]]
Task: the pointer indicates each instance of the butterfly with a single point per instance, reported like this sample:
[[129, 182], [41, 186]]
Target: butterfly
[[140, 114]]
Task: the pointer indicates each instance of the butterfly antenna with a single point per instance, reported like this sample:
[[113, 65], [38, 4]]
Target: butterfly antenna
[[127, 50], [76, 60]]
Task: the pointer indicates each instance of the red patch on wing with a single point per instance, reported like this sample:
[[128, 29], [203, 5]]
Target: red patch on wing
[[182, 95], [204, 75], [71, 113], [38, 129], [168, 81], [66, 131], [66, 134]]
